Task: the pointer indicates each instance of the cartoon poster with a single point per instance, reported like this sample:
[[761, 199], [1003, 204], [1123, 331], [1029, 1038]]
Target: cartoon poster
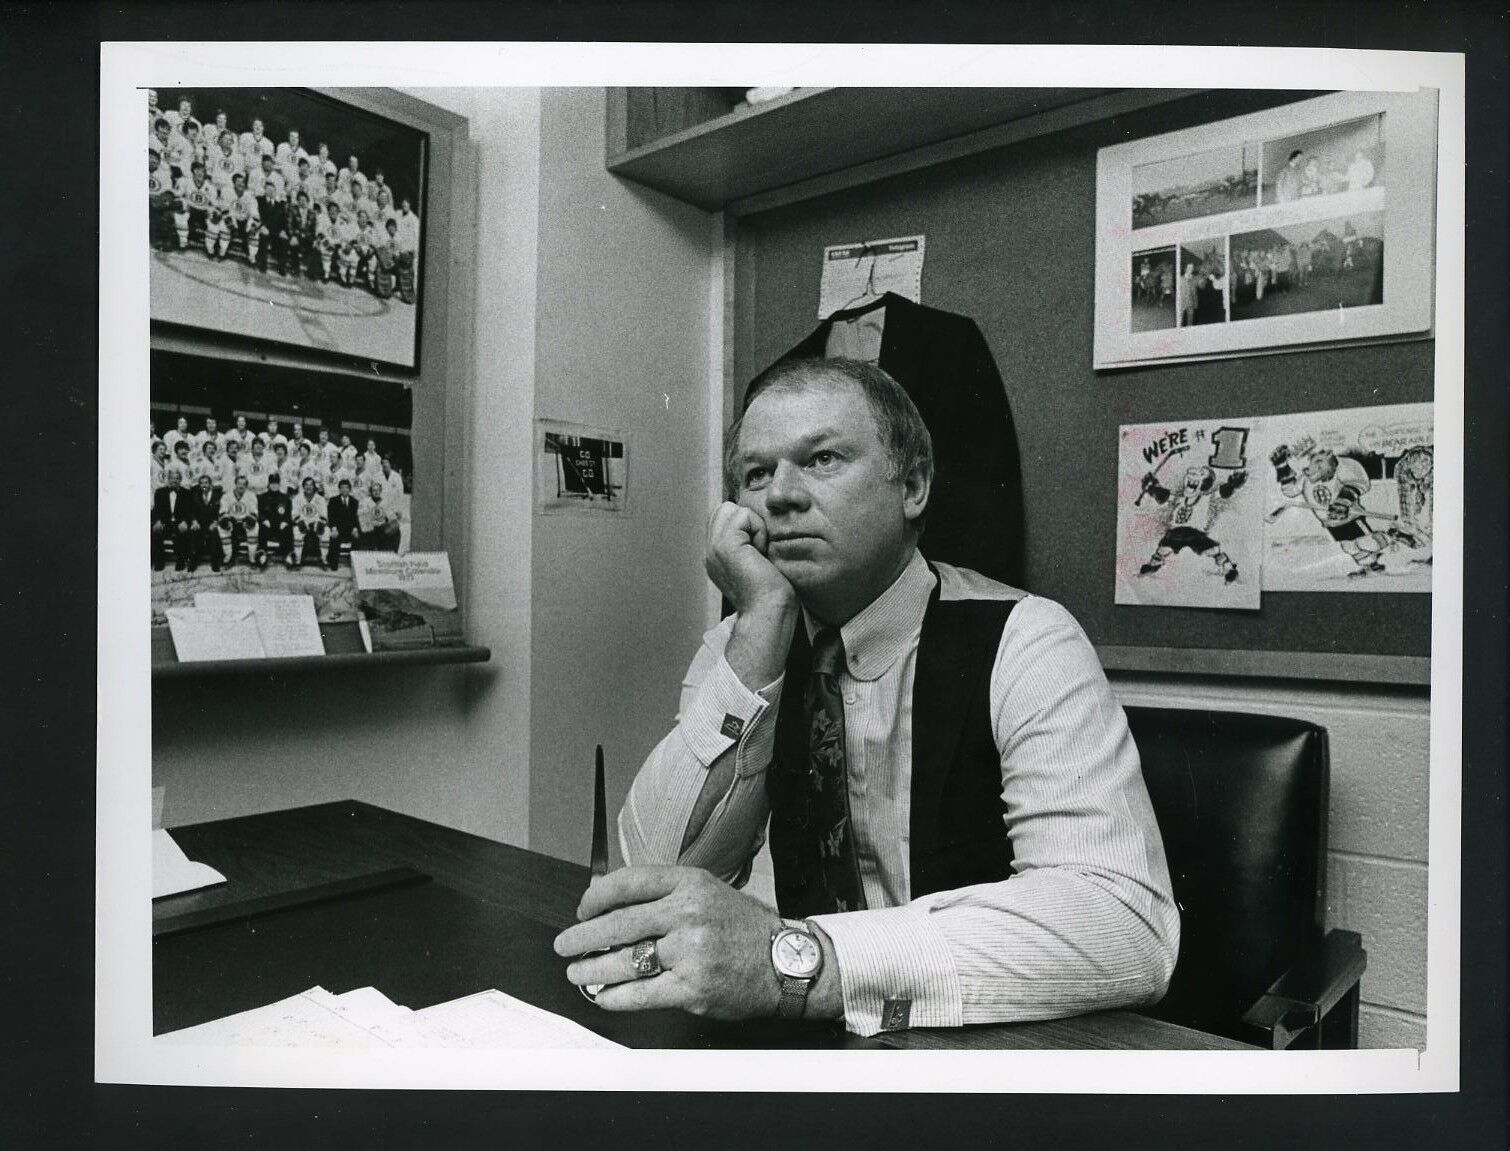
[[1348, 500], [1189, 516]]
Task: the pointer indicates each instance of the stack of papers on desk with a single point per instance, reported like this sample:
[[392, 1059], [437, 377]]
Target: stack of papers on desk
[[368, 1018]]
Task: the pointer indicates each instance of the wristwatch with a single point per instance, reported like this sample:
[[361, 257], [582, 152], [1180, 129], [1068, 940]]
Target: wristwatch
[[798, 958]]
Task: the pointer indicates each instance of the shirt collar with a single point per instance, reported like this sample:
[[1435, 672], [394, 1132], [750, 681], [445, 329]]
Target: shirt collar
[[878, 635]]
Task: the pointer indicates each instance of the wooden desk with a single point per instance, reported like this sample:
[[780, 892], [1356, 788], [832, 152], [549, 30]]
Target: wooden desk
[[485, 918]]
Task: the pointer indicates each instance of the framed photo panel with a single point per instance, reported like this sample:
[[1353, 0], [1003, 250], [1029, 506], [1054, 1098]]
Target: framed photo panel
[[1311, 223], [283, 216]]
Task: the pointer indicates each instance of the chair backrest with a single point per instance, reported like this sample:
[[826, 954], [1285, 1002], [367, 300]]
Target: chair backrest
[[1241, 802]]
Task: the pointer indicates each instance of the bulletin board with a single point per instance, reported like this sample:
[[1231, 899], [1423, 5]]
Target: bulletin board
[[1011, 244]]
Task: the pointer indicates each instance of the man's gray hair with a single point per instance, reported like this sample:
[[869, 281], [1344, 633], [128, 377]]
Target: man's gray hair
[[898, 422]]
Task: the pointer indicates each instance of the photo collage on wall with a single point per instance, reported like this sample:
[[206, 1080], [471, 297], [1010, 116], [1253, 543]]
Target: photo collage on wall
[[1213, 513], [1312, 239]]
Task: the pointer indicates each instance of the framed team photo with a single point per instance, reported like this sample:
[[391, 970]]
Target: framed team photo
[[268, 480], [1268, 231], [283, 216]]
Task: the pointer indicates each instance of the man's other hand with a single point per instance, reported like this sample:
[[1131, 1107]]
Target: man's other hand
[[713, 943]]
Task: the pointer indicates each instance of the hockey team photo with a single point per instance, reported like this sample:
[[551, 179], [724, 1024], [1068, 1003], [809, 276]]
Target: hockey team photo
[[261, 486], [285, 216]]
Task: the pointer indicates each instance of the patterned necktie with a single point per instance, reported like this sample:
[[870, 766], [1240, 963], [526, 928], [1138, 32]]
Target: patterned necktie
[[828, 777]]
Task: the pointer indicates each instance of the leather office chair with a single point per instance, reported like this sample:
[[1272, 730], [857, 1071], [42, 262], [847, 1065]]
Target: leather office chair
[[1241, 801]]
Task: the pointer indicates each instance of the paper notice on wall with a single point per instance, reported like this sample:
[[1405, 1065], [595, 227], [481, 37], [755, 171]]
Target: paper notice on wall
[[1189, 528], [856, 273], [1348, 500]]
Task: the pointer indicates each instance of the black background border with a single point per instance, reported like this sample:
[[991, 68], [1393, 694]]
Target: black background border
[[49, 67]]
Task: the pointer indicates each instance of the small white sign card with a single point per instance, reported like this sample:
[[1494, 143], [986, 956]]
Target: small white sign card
[[859, 272]]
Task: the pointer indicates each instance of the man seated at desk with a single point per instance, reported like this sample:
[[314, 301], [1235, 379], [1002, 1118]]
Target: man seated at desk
[[958, 821]]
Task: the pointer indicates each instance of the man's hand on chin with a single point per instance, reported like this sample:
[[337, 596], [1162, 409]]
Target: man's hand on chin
[[713, 944]]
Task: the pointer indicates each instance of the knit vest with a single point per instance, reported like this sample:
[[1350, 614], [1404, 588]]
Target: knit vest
[[957, 832]]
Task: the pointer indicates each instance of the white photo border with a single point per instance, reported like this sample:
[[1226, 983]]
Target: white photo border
[[124, 1047]]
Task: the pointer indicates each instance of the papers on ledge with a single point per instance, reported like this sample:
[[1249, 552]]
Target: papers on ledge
[[174, 872], [232, 625], [368, 1018]]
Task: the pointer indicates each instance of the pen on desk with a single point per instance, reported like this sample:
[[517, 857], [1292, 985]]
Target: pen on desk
[[599, 857], [599, 821]]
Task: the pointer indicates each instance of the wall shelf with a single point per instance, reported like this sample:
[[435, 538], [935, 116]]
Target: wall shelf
[[810, 133], [343, 651]]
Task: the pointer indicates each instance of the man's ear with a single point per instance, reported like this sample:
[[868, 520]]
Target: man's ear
[[917, 486]]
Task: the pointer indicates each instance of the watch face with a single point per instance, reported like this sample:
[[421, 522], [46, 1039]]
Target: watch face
[[796, 954]]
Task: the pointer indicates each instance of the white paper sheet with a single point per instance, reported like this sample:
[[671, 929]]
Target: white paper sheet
[[201, 634], [174, 872], [365, 1017], [287, 623], [493, 1019]]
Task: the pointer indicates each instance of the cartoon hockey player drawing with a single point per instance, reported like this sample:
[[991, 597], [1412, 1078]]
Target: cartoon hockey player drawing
[[1413, 482], [1191, 511], [1331, 487]]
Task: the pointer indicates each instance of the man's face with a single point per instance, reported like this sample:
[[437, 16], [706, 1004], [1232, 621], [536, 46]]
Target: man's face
[[309, 488], [185, 109], [227, 145], [267, 164], [293, 141], [241, 423], [257, 449], [241, 485], [183, 426], [346, 441], [257, 129], [812, 465], [162, 133], [210, 425], [324, 436]]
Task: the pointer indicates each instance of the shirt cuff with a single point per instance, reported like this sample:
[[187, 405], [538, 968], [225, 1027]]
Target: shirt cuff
[[895, 970], [724, 713]]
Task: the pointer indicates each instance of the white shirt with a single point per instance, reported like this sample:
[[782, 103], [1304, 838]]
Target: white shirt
[[1087, 921]]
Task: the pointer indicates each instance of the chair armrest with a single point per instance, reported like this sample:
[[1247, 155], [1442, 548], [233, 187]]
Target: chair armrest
[[1302, 996]]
